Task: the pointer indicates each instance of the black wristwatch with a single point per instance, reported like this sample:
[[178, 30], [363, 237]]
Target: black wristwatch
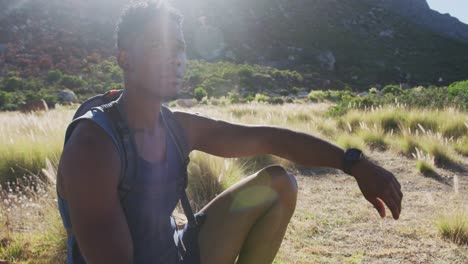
[[351, 157]]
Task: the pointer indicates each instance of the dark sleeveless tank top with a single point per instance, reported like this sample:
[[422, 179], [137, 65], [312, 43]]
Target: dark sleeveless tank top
[[148, 206]]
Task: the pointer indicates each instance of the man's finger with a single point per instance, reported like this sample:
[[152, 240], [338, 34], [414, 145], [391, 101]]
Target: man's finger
[[392, 205], [379, 206], [397, 197]]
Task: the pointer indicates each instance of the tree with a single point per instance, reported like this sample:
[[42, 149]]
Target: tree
[[54, 76], [199, 93], [13, 83]]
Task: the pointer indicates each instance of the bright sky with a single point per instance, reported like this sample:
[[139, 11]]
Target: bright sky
[[456, 8]]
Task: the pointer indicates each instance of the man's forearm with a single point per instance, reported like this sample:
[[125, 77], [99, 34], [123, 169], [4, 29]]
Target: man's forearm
[[304, 149]]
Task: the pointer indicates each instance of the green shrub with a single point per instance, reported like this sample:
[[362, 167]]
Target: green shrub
[[263, 80], [216, 86], [362, 102], [54, 76], [50, 99], [13, 83], [5, 98], [71, 81], [317, 96], [277, 100], [199, 93], [116, 74], [234, 97], [249, 98], [337, 96], [30, 95], [246, 72], [296, 90], [10, 107], [204, 101], [393, 89], [261, 98], [336, 110], [373, 90], [458, 88], [12, 74]]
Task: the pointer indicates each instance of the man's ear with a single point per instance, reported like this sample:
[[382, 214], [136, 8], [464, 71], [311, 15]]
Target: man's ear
[[123, 60]]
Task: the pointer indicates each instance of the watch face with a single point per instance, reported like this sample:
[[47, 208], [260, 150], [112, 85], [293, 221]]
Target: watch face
[[353, 154]]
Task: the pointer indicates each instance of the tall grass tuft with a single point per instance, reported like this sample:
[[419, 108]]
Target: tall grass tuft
[[390, 122], [425, 167], [461, 146], [209, 176], [454, 226], [406, 144], [439, 150], [373, 137], [425, 164], [454, 128]]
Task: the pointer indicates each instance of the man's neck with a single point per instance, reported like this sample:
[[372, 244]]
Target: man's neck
[[141, 110]]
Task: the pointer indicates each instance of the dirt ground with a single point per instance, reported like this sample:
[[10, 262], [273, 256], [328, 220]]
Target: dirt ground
[[333, 223]]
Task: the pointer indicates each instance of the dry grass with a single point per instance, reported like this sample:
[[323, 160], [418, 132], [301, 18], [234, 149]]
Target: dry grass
[[31, 227], [332, 223]]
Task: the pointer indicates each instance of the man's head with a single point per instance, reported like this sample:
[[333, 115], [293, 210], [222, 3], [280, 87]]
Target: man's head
[[152, 48]]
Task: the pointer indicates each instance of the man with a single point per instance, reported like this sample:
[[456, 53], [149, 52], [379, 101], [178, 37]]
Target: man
[[107, 230]]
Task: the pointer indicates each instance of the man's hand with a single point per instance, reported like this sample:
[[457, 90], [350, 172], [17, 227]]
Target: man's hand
[[379, 186]]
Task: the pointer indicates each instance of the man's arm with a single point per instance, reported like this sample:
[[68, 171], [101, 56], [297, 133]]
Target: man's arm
[[90, 167], [226, 139], [231, 140]]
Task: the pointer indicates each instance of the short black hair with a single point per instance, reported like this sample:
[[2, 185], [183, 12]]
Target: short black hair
[[136, 16]]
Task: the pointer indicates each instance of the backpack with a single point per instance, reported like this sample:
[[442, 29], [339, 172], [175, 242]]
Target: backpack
[[107, 102]]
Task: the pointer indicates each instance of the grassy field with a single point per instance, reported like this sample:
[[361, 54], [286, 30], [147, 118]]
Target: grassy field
[[427, 151]]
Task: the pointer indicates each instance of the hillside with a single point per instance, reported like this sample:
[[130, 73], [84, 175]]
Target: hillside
[[360, 42]]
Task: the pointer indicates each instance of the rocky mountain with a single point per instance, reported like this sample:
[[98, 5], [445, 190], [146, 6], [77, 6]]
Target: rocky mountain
[[356, 41], [360, 42], [419, 12]]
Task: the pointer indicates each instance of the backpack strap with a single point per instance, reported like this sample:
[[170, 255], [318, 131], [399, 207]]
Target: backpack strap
[[129, 168], [176, 133]]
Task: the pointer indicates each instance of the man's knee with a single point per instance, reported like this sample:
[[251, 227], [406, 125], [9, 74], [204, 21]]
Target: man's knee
[[284, 183]]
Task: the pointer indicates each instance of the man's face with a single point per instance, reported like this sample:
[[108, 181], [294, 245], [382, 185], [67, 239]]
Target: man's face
[[157, 58]]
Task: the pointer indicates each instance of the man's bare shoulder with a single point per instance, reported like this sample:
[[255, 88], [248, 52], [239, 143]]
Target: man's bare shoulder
[[89, 157]]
